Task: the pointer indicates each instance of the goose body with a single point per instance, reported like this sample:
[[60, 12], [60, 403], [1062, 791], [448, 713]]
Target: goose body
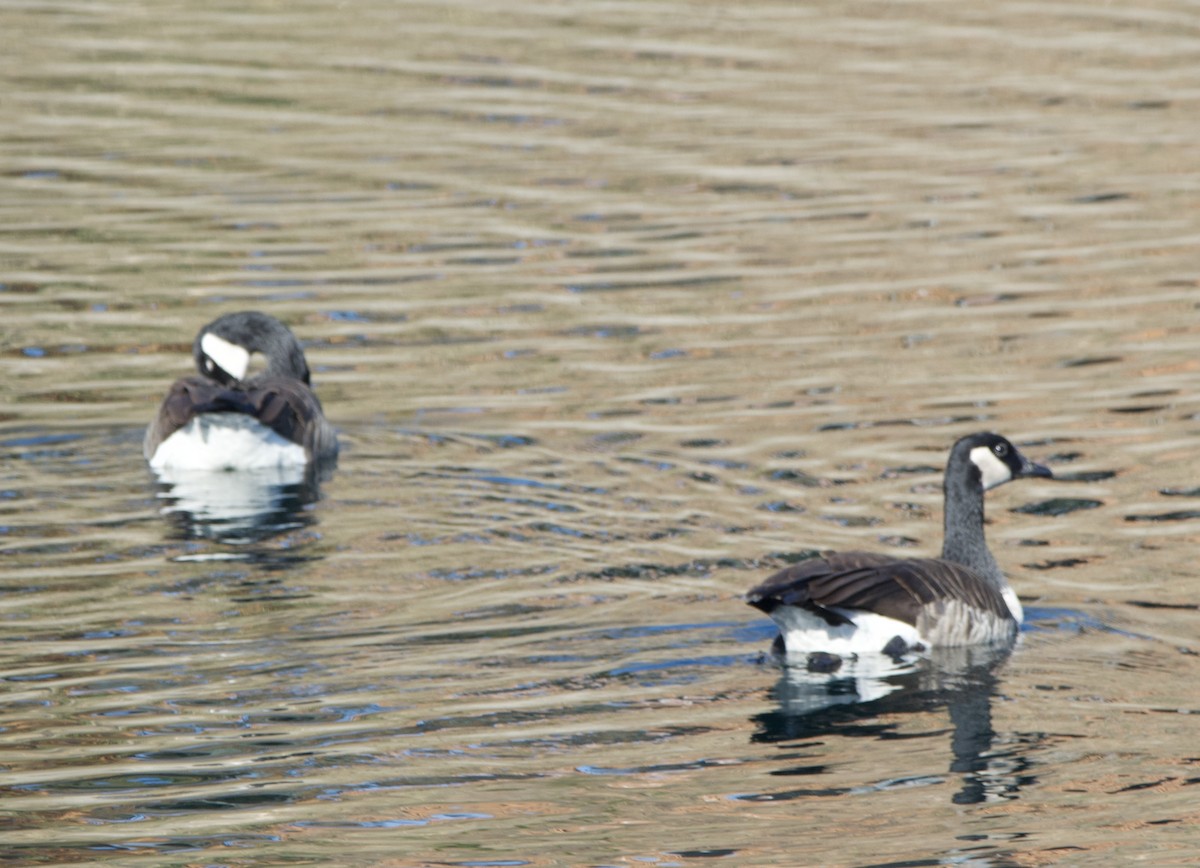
[[227, 419], [850, 603]]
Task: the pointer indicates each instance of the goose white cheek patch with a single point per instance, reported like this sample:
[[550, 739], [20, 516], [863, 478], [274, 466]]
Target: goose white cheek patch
[[992, 470], [231, 358]]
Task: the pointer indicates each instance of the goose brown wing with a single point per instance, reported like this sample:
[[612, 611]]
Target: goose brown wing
[[186, 399], [289, 408], [285, 405], [898, 588]]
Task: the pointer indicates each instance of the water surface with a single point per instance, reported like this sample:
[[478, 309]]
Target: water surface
[[617, 307]]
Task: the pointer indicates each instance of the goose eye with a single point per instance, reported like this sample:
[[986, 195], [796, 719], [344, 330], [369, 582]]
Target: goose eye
[[208, 365], [1001, 449]]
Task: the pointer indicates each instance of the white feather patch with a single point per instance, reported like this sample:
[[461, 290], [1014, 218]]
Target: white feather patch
[[229, 357], [1014, 604], [868, 633], [991, 469], [226, 441]]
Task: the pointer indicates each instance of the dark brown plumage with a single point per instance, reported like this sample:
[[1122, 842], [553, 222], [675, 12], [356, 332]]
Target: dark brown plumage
[[898, 588], [287, 407]]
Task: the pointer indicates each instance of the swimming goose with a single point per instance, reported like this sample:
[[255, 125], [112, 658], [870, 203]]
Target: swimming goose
[[226, 420], [857, 602]]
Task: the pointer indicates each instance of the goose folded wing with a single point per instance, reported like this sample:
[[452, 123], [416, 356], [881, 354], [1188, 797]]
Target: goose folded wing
[[291, 410], [192, 396], [898, 588]]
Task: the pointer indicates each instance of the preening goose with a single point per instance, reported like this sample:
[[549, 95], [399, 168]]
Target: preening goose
[[224, 419], [857, 602]]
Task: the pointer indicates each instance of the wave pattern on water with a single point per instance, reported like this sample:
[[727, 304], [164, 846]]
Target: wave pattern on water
[[617, 310]]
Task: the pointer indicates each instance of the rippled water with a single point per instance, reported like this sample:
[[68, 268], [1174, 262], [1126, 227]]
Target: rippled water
[[617, 307]]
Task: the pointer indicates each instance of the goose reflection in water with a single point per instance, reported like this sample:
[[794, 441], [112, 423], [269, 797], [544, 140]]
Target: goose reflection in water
[[240, 507], [851, 701]]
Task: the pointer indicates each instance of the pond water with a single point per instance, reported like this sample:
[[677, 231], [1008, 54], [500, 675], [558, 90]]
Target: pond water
[[618, 307]]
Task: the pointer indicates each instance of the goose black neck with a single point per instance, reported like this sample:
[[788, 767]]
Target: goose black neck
[[264, 334], [260, 333], [964, 542]]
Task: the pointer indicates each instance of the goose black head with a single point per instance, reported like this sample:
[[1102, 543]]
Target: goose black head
[[223, 348], [994, 460]]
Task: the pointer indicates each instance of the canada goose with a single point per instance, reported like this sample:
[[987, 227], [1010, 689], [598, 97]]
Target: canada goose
[[856, 602], [226, 420]]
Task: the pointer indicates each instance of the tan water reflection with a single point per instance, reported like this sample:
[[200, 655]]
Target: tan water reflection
[[617, 307]]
